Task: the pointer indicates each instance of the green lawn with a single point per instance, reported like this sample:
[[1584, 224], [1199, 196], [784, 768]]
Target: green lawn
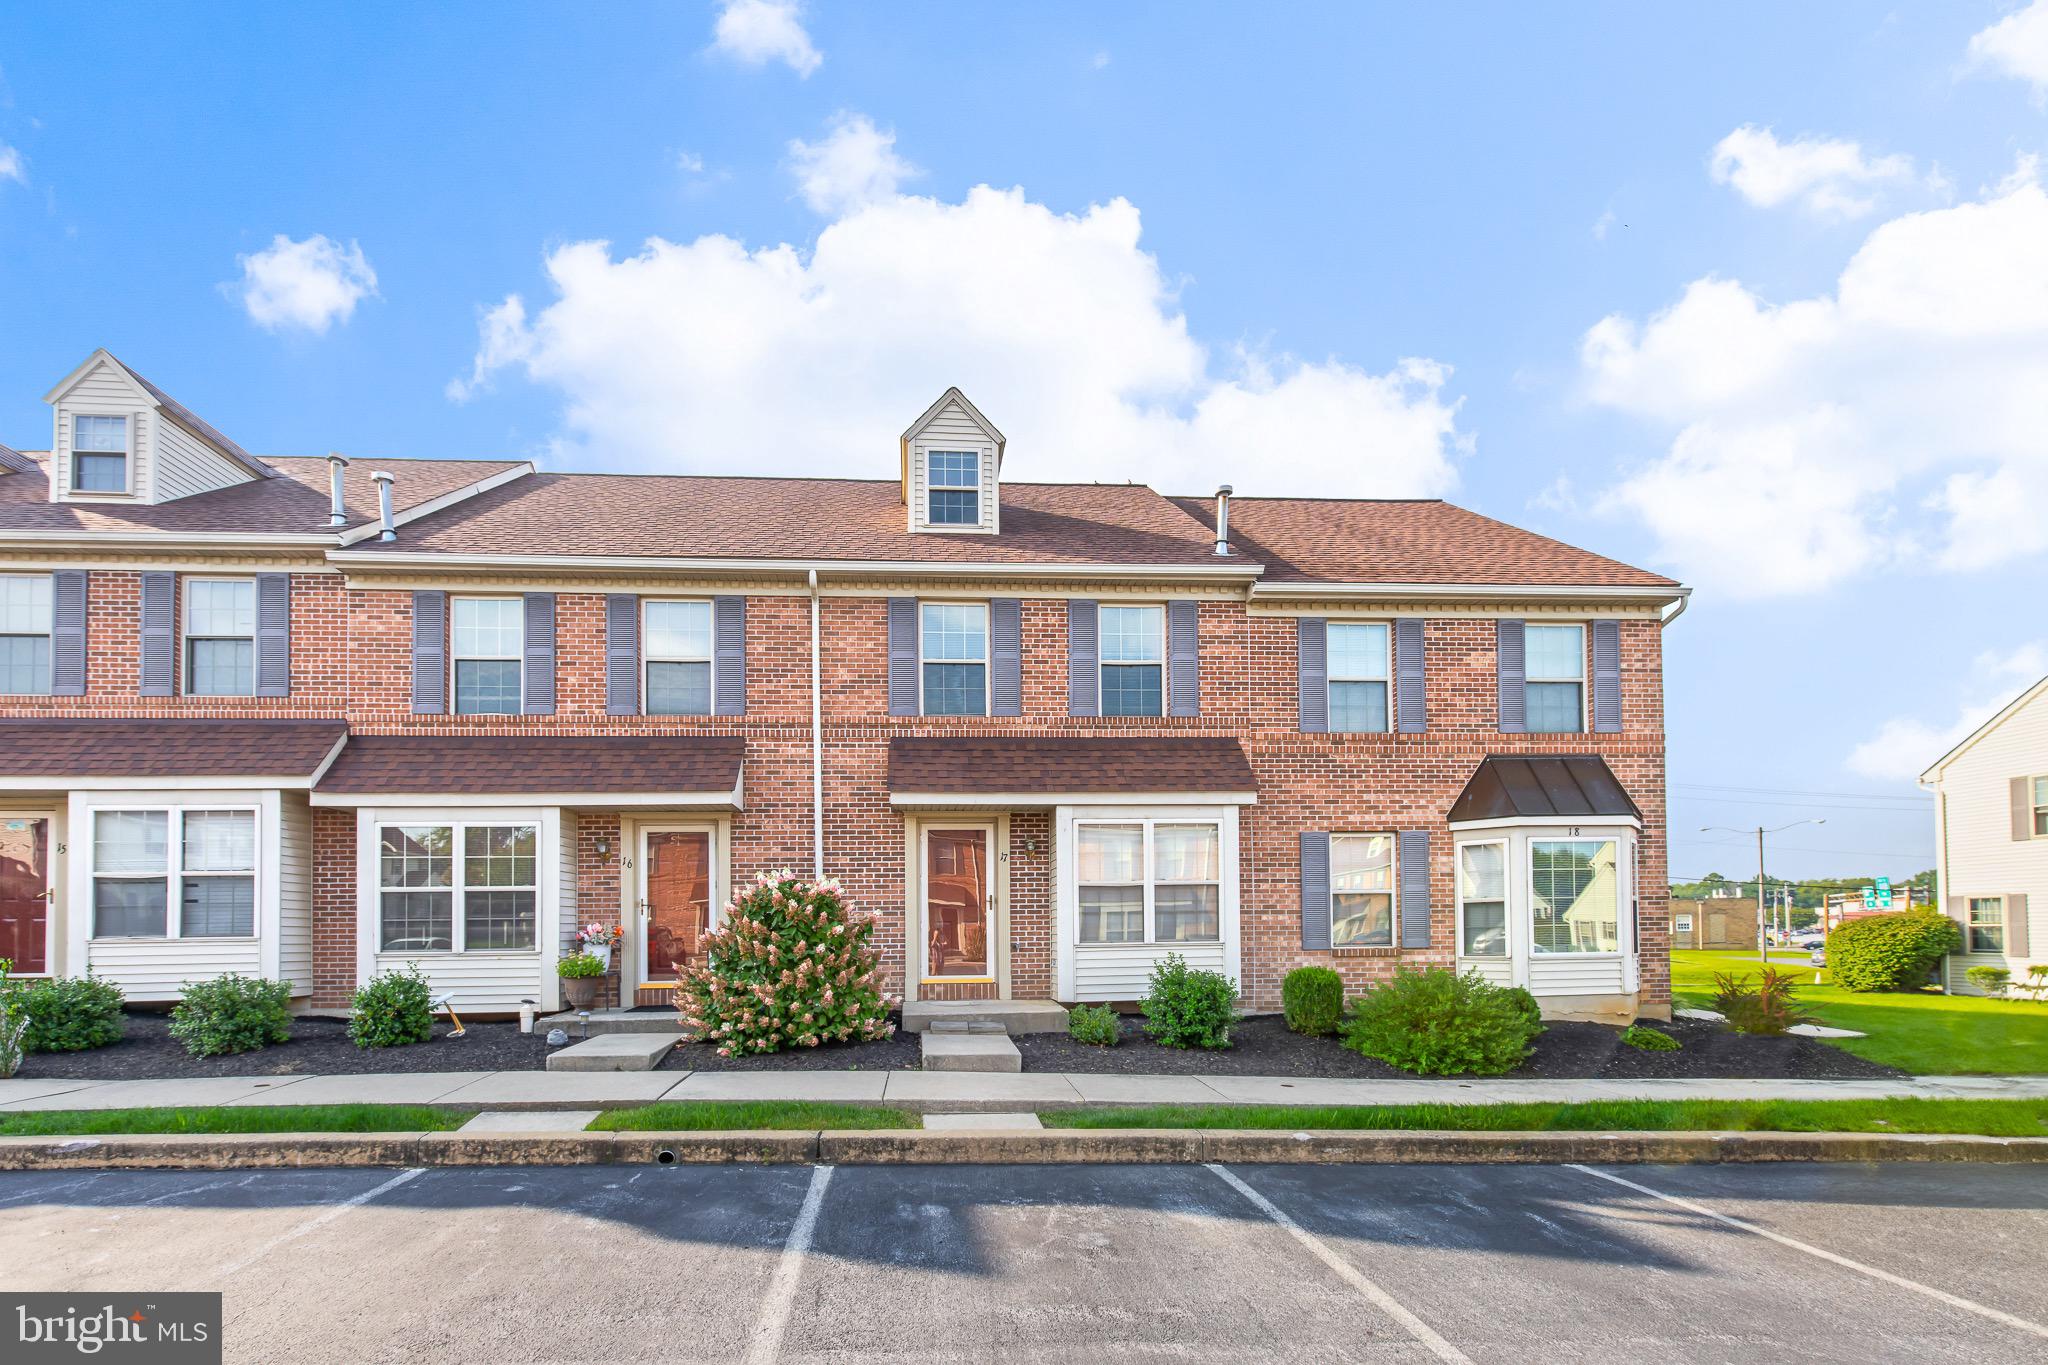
[[740, 1115], [1919, 1031], [282, 1118], [1993, 1118]]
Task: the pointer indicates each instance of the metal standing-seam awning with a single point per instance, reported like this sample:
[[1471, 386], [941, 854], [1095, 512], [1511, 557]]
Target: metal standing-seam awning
[[1551, 787]]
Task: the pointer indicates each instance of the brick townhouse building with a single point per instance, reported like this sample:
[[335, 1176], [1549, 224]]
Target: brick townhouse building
[[310, 718]]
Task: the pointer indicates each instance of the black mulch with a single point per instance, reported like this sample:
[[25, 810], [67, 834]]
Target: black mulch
[[318, 1047], [898, 1052], [1263, 1046]]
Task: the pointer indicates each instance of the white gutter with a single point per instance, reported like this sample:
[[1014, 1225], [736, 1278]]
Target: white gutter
[[817, 744], [93, 540], [799, 567], [1594, 591]]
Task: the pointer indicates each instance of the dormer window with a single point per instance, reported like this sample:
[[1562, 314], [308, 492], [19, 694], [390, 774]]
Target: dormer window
[[954, 479], [99, 454], [952, 469]]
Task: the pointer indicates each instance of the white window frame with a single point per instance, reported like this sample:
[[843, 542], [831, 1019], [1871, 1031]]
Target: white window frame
[[458, 886], [48, 634], [186, 639], [925, 657], [518, 657], [1583, 680], [1507, 899], [1681, 921], [2037, 787], [127, 453], [648, 658], [1149, 870], [1971, 926], [1331, 677], [175, 873], [1393, 892], [1623, 881], [1103, 661], [932, 486]]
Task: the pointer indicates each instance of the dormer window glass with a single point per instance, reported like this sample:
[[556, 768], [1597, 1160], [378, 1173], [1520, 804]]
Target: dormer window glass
[[99, 454], [953, 487]]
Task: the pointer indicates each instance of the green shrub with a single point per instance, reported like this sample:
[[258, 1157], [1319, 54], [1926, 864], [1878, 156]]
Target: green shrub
[[392, 1009], [232, 1013], [1990, 980], [1095, 1025], [1649, 1039], [790, 966], [1890, 952], [1438, 1023], [69, 1013], [1768, 1008], [1188, 1007], [580, 965], [1312, 998], [13, 1021]]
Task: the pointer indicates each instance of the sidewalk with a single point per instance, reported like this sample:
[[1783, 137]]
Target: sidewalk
[[942, 1092]]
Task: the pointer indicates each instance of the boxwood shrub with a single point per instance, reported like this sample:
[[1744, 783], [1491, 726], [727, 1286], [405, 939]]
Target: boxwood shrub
[[1189, 1007], [1890, 952], [1095, 1025], [1438, 1023], [392, 1009], [232, 1013], [70, 1013], [1312, 998]]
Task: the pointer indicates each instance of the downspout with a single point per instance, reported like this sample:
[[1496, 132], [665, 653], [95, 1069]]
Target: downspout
[[817, 743]]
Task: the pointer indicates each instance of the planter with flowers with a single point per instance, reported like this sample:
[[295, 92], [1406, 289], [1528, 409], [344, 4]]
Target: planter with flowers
[[580, 973], [598, 940]]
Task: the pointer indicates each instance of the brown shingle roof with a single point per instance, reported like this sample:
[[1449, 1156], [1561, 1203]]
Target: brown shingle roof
[[478, 765], [294, 503], [1541, 788], [1111, 767], [141, 749], [1310, 540]]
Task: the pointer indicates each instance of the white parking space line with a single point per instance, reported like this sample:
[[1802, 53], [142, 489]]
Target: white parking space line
[[1378, 1297], [780, 1298], [1900, 1281], [316, 1222]]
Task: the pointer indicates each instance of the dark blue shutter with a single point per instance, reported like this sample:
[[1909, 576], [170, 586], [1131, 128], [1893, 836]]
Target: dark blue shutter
[[273, 635], [1084, 663], [538, 695], [159, 634], [1183, 659], [1312, 674], [67, 633], [1607, 677], [1413, 854], [903, 656], [1510, 664], [622, 654], [429, 652], [1411, 690], [729, 655], [1006, 657], [1315, 890]]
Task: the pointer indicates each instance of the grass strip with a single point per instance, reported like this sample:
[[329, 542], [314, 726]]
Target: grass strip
[[1990, 1118], [739, 1115], [282, 1118]]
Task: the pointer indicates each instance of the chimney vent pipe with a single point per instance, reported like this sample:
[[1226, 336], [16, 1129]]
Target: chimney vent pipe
[[337, 511], [384, 481], [1223, 520]]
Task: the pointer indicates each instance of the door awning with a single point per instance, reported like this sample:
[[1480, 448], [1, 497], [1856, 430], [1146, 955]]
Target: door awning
[[1019, 771], [1544, 787], [652, 770], [71, 755]]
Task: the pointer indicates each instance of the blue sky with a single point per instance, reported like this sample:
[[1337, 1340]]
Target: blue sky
[[1754, 294]]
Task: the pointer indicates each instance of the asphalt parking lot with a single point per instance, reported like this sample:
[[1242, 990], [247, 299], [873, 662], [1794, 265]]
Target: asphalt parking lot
[[1057, 1263]]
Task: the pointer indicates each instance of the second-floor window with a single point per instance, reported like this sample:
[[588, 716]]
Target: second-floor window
[[953, 488], [1555, 681], [99, 454], [24, 633], [1361, 891], [220, 637], [954, 639], [485, 647], [1358, 677], [1133, 646], [678, 658]]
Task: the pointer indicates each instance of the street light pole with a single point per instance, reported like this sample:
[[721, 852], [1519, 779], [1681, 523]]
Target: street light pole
[[1763, 945]]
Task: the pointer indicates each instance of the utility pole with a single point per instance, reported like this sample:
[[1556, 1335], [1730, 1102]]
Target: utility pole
[[1763, 942]]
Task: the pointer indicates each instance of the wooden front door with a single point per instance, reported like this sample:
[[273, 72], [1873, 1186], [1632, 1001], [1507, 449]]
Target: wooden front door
[[25, 893], [959, 904], [675, 905]]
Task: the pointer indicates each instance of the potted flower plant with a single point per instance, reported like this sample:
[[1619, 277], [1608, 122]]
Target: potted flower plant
[[580, 973], [598, 940]]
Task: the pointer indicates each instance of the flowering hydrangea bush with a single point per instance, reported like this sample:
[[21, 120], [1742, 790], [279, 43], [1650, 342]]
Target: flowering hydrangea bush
[[790, 966]]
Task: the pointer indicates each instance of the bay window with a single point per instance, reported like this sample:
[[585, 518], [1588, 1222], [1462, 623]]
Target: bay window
[[678, 658], [1574, 896], [1133, 653], [25, 633], [486, 645], [1358, 677], [202, 861], [1483, 900], [457, 888], [1149, 881], [954, 639], [1361, 891]]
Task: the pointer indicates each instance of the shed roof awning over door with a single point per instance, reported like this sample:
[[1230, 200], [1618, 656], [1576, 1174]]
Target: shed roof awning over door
[[1041, 772], [68, 754], [652, 770], [1538, 787]]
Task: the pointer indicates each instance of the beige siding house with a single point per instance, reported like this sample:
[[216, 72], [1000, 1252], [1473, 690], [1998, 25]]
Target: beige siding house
[[1991, 838]]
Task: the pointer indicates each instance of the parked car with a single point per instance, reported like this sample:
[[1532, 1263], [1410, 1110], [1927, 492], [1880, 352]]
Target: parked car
[[1819, 957], [1809, 938]]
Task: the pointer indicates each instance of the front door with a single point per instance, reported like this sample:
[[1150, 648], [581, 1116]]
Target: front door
[[959, 904], [25, 893], [675, 903]]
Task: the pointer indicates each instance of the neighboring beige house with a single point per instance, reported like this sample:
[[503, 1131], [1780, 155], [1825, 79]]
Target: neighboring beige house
[[1991, 838], [1713, 922]]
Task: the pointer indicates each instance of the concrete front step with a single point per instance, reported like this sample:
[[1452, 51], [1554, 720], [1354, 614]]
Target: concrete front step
[[966, 1026], [1015, 1016], [612, 1021], [614, 1052], [970, 1052]]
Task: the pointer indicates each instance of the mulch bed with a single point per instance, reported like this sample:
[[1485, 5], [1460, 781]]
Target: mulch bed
[[319, 1047], [1263, 1046], [898, 1052]]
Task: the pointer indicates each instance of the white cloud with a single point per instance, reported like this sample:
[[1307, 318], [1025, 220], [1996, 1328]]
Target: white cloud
[[12, 165], [1808, 435], [711, 356], [309, 285], [1904, 746], [1827, 177], [2017, 46], [689, 163], [756, 32], [855, 163]]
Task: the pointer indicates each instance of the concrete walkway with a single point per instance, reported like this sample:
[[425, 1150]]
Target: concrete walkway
[[942, 1092]]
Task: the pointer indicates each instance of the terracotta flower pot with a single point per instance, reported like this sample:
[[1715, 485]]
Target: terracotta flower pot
[[580, 991]]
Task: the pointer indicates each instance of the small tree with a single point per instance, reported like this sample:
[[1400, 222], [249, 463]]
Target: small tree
[[1890, 952], [790, 966]]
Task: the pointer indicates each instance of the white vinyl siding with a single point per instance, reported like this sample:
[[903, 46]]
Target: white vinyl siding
[[951, 429], [165, 462], [185, 465], [1976, 853], [295, 892]]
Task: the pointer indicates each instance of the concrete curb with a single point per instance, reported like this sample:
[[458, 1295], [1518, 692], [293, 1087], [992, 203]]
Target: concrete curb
[[1056, 1146]]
